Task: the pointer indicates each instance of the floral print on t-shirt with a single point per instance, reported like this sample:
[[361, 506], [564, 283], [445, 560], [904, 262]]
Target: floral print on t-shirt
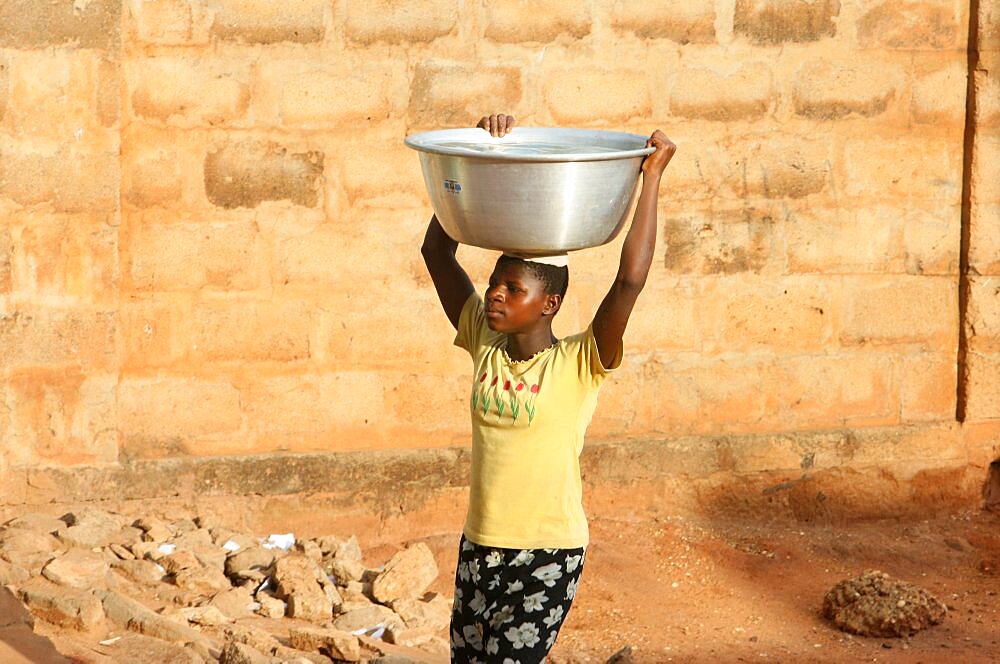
[[506, 398]]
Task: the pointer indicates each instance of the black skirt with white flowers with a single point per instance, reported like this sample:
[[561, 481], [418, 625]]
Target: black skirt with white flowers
[[510, 603]]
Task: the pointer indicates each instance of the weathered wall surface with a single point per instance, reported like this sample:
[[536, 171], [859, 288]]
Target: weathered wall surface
[[209, 234]]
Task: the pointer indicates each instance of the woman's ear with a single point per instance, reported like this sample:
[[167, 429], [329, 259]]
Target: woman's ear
[[552, 303]]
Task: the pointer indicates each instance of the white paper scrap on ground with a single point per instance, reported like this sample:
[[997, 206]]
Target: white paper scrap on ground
[[230, 545], [283, 542], [166, 549]]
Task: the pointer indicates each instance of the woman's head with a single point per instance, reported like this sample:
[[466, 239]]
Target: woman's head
[[522, 293]]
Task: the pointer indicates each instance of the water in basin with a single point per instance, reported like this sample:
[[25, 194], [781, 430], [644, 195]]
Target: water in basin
[[527, 147]]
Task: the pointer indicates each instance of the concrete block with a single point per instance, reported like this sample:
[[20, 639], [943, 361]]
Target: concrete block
[[166, 414], [386, 171], [927, 385], [928, 169], [246, 174], [931, 25], [79, 337], [744, 93], [987, 88], [4, 85], [569, 95], [783, 314], [520, 21], [784, 167], [667, 318], [723, 241], [70, 179], [939, 96], [446, 413], [6, 259], [931, 235], [983, 314], [984, 243], [839, 240], [779, 21], [65, 607], [266, 22], [66, 256], [458, 94], [307, 94], [829, 390], [251, 331], [684, 22], [54, 93], [900, 310], [827, 90], [395, 22], [983, 386], [316, 403], [109, 86], [27, 24], [166, 22], [151, 171], [189, 91], [63, 416], [985, 180], [189, 257]]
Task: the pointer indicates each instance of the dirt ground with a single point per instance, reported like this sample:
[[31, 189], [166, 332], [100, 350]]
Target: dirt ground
[[686, 590], [691, 590]]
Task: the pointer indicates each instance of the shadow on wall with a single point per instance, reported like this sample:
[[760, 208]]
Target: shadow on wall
[[991, 490]]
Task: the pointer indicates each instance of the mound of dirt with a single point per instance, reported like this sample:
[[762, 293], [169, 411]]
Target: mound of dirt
[[875, 604]]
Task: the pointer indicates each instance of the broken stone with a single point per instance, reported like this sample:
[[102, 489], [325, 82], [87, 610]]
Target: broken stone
[[409, 637], [344, 571], [335, 547], [182, 526], [367, 618], [211, 556], [270, 606], [299, 582], [154, 529], [122, 552], [874, 604], [28, 549], [241, 653], [309, 549], [39, 523], [62, 606], [150, 550], [144, 572], [77, 568], [12, 574], [253, 557], [193, 539], [407, 574], [331, 642], [434, 613], [234, 603], [209, 616], [89, 527], [138, 648], [201, 580], [178, 561], [130, 614]]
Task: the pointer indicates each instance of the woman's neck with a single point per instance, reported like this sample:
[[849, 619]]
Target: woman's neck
[[522, 345]]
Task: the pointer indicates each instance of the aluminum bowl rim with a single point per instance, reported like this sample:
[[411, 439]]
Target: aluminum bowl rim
[[418, 142]]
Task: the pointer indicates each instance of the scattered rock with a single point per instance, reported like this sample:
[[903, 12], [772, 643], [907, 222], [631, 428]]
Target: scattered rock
[[144, 572], [202, 580], [179, 561], [344, 570], [434, 613], [122, 552], [240, 653], [208, 615], [89, 527], [252, 558], [78, 568], [874, 604], [299, 581], [62, 606], [235, 602], [270, 606], [623, 656], [130, 614], [39, 523], [12, 574], [367, 618], [310, 549], [407, 574], [331, 642], [154, 530]]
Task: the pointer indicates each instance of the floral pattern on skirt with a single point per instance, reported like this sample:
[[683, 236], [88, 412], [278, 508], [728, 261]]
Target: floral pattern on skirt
[[510, 603]]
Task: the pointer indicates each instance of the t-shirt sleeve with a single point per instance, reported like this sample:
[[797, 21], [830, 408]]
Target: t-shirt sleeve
[[589, 358], [471, 324]]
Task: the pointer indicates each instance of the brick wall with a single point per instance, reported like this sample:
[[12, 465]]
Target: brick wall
[[210, 226]]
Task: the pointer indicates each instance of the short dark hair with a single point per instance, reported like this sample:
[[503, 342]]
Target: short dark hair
[[554, 277]]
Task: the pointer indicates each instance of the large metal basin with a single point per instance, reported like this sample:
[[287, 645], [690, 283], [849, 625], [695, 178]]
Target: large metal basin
[[534, 191]]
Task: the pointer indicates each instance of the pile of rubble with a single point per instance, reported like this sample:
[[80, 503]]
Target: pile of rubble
[[219, 595]]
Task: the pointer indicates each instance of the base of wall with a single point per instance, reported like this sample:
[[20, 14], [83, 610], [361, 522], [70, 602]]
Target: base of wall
[[858, 473]]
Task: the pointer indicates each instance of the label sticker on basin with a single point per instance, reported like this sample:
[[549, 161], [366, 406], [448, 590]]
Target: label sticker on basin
[[453, 186]]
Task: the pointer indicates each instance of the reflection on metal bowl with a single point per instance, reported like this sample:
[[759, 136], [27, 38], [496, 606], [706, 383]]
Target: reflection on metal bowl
[[534, 191]]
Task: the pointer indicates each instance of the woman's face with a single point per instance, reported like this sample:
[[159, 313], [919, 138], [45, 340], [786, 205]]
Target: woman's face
[[516, 298]]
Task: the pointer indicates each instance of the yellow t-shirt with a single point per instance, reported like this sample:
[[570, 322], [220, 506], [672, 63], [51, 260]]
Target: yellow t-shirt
[[528, 422]]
